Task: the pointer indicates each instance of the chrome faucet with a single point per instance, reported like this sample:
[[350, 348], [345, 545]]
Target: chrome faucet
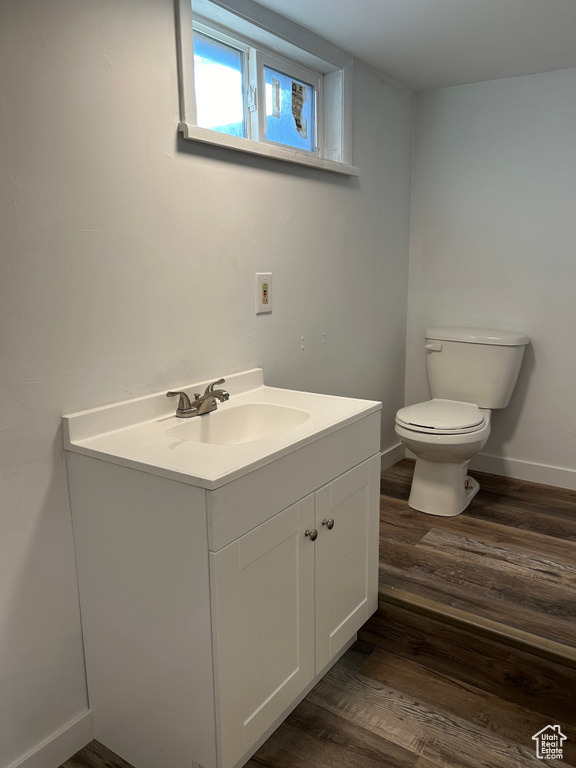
[[202, 403]]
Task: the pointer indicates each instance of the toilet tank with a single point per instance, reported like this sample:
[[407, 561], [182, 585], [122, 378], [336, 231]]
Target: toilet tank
[[476, 365]]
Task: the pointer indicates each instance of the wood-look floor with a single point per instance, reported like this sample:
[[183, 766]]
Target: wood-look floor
[[375, 709], [431, 695], [510, 557]]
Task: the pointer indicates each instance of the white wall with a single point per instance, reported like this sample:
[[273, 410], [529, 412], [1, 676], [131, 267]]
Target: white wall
[[127, 267], [493, 243]]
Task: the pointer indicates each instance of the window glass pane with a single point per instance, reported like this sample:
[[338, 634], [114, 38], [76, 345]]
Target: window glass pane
[[290, 112], [218, 85]]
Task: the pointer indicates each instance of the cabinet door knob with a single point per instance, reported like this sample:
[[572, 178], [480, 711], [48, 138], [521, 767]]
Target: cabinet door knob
[[329, 523], [313, 534]]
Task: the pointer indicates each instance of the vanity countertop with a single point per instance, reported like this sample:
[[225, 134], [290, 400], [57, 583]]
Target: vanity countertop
[[142, 433]]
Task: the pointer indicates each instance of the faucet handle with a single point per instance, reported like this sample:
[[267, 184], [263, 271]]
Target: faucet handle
[[210, 387], [184, 402]]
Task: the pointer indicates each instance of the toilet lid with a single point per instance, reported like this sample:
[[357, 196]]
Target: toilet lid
[[443, 417]]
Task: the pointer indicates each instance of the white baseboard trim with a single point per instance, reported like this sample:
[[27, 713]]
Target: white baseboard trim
[[392, 455], [59, 746], [562, 477]]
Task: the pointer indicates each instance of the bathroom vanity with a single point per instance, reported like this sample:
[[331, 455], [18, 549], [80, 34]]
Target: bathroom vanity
[[223, 566]]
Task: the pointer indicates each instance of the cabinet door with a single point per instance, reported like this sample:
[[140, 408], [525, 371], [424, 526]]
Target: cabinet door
[[263, 623], [346, 557]]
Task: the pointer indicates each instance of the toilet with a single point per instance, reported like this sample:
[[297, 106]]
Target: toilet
[[471, 371]]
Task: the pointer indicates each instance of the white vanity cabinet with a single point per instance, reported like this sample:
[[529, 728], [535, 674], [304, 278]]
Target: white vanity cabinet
[[218, 583], [284, 605], [346, 557], [263, 622]]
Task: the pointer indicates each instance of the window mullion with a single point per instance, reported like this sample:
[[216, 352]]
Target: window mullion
[[257, 80]]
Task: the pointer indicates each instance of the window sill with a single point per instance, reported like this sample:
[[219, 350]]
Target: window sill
[[194, 133]]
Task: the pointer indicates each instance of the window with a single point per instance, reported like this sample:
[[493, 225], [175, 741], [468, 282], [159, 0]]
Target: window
[[242, 91], [218, 84], [290, 108], [263, 85]]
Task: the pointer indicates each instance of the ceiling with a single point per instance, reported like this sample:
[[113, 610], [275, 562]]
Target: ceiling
[[427, 44]]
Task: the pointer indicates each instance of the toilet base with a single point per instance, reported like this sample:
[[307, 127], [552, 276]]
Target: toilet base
[[441, 489]]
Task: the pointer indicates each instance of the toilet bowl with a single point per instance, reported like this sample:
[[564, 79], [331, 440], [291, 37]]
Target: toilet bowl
[[471, 371], [441, 485]]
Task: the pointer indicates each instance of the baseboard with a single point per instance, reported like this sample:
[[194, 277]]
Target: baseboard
[[391, 455], [561, 477], [59, 746]]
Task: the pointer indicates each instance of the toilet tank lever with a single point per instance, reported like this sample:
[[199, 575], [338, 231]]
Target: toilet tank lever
[[434, 347]]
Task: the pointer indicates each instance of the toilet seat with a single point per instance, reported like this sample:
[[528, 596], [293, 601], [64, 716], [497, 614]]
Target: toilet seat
[[441, 417]]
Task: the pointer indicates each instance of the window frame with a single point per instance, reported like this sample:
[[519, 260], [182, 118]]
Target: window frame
[[335, 75]]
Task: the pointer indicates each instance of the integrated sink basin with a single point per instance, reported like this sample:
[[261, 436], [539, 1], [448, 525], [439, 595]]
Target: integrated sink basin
[[239, 424]]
